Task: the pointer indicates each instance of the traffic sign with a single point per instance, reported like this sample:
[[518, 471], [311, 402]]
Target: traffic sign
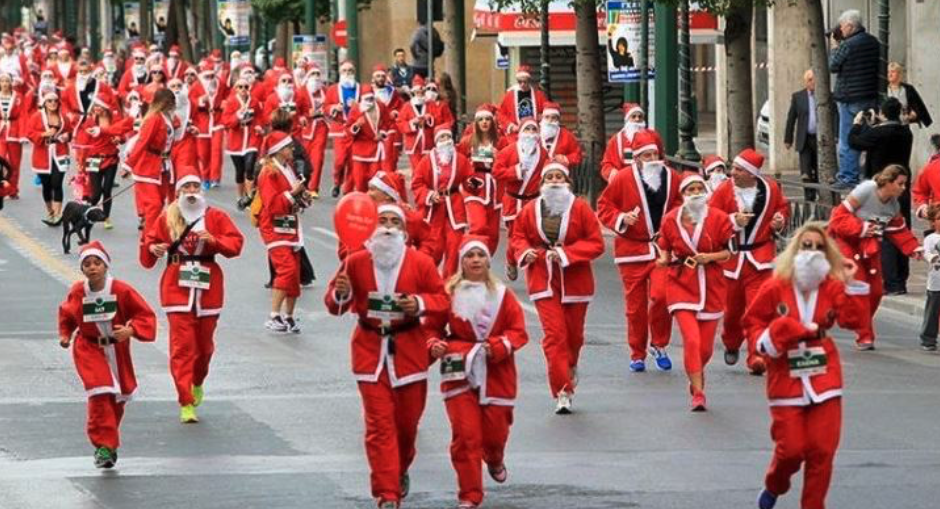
[[339, 33]]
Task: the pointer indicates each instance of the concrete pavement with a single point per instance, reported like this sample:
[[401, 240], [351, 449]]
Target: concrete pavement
[[281, 426]]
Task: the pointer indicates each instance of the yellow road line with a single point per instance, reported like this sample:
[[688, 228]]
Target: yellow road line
[[37, 254]]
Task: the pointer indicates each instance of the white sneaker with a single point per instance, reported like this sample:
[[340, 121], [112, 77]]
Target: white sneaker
[[276, 324], [563, 403], [292, 325]]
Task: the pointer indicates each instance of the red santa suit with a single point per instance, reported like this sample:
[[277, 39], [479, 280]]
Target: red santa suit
[[279, 219], [852, 233], [47, 153], [804, 377], [294, 102], [416, 124], [484, 197], [447, 218], [104, 365], [207, 96], [150, 164], [634, 248], [184, 152], [390, 357], [561, 146], [562, 289], [619, 151], [755, 247], [337, 111], [174, 66], [192, 304], [695, 293], [479, 389], [367, 131], [926, 188], [64, 72], [517, 104], [389, 97], [242, 121], [12, 115], [315, 134], [77, 104]]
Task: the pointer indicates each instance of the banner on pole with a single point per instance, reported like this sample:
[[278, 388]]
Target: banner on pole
[[132, 19], [624, 22], [234, 17], [161, 9]]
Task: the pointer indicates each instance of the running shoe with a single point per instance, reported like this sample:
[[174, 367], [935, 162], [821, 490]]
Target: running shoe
[[105, 458], [188, 414], [276, 324], [663, 363], [766, 500], [198, 395], [292, 325], [637, 366], [563, 403]]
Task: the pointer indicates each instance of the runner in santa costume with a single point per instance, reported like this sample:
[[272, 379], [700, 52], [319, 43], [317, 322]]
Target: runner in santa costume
[[340, 99], [759, 210], [791, 317], [49, 131], [369, 125], [12, 112], [135, 75], [715, 171], [416, 123], [285, 96], [518, 168], [521, 101], [633, 205], [80, 95], [191, 235], [317, 131], [99, 159], [869, 214], [100, 315], [388, 97], [556, 237], [12, 61], [484, 197], [926, 188], [438, 108], [438, 188], [619, 152], [392, 289], [175, 66], [694, 242], [64, 68], [282, 199], [486, 327], [241, 116], [150, 157], [184, 152], [561, 145]]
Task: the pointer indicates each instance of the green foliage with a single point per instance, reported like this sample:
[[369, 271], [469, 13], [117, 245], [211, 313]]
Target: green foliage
[[720, 7], [276, 11]]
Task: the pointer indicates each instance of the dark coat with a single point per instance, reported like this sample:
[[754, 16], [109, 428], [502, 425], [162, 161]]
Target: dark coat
[[916, 104], [855, 62], [887, 143], [798, 120]]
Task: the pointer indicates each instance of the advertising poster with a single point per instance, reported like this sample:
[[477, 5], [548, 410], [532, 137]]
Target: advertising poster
[[234, 16], [161, 9], [624, 18], [132, 19]]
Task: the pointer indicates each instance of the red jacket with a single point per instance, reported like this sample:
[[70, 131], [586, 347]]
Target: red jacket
[[782, 330], [624, 194], [685, 288], [849, 232], [367, 138], [43, 150], [501, 325], [207, 109], [64, 75], [299, 103], [72, 102], [485, 189], [517, 182], [579, 243], [278, 207], [240, 119], [108, 369], [105, 145], [564, 144], [335, 111], [417, 129], [508, 114], [926, 188], [12, 111], [129, 82], [417, 275], [428, 178], [755, 242], [318, 120], [148, 158]]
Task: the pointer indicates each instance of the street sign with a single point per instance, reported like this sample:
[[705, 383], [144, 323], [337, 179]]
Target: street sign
[[624, 21], [339, 33], [502, 57]]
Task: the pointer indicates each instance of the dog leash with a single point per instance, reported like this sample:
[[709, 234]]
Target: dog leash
[[115, 195]]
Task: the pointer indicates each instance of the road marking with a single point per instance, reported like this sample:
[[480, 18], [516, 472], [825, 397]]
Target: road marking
[[324, 231], [37, 254]]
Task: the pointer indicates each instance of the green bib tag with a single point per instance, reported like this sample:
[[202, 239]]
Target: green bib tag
[[627, 154], [384, 307], [195, 275], [99, 309], [807, 361], [290, 107], [482, 155], [92, 164], [64, 162], [285, 224], [453, 367]]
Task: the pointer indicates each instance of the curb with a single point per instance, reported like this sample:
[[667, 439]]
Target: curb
[[908, 305]]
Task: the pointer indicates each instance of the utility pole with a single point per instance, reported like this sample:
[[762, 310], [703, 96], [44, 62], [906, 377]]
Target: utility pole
[[884, 32], [667, 76], [645, 58], [455, 37], [352, 34], [430, 32], [94, 15], [310, 20], [687, 149], [544, 62]]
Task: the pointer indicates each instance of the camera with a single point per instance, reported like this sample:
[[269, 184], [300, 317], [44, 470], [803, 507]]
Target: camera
[[836, 33]]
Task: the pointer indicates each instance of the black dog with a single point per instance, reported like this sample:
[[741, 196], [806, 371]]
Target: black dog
[[78, 218]]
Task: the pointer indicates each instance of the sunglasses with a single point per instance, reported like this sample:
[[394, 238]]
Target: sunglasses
[[808, 245], [241, 87]]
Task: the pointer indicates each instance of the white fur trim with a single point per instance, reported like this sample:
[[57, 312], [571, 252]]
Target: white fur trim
[[556, 166], [765, 345], [380, 184], [474, 244], [94, 252], [395, 209], [743, 163], [186, 180], [645, 148], [690, 180], [279, 145]]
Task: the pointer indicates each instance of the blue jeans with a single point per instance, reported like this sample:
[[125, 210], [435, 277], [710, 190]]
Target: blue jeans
[[849, 171]]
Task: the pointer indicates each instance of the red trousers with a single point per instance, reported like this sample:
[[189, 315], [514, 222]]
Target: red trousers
[[478, 435], [392, 416], [563, 326], [392, 152], [869, 271], [316, 149], [440, 228], [149, 200], [644, 292], [805, 436], [286, 263], [12, 151], [342, 146], [362, 171], [104, 421], [415, 160], [698, 340], [484, 220], [191, 349], [210, 156], [741, 293]]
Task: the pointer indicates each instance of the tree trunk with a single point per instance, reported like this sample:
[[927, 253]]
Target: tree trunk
[[178, 14], [590, 94], [544, 47], [146, 21], [825, 121], [282, 48], [450, 39], [740, 122]]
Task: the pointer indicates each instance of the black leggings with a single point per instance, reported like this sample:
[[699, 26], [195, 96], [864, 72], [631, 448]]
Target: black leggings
[[52, 184], [244, 167], [101, 185]]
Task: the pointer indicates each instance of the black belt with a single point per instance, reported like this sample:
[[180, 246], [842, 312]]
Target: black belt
[[751, 247], [448, 192], [181, 258], [101, 341], [523, 196], [687, 261], [389, 331]]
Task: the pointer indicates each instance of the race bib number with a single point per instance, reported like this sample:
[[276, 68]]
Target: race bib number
[[64, 163], [285, 224], [99, 309], [195, 275], [289, 107], [93, 164], [482, 155], [807, 361], [384, 307], [453, 367], [627, 155]]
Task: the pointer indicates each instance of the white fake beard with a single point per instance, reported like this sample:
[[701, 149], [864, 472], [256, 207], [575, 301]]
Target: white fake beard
[[140, 72], [285, 93], [384, 93], [549, 130], [192, 206], [64, 68], [347, 81], [652, 173], [715, 180], [810, 268], [417, 100], [133, 109], [557, 198], [528, 142], [469, 299], [210, 85], [631, 128], [314, 84], [445, 152], [430, 96], [172, 62], [386, 246], [746, 196], [696, 205]]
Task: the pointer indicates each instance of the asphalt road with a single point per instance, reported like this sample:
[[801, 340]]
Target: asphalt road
[[281, 426]]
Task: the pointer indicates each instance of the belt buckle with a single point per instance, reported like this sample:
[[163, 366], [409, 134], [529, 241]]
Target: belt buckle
[[175, 258], [103, 341], [690, 262]]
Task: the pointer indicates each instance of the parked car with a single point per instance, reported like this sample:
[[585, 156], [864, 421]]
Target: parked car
[[763, 128]]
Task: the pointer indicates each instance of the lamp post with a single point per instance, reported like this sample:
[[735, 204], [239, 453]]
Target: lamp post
[[544, 81], [687, 149], [645, 57], [884, 31]]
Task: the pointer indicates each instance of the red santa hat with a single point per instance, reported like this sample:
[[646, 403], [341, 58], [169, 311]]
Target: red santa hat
[[139, 53], [174, 50], [631, 108], [394, 209], [417, 83], [187, 175], [48, 95], [712, 162], [470, 242], [644, 141], [108, 53], [379, 69], [314, 68], [275, 142], [523, 72], [206, 67], [551, 109], [441, 130], [174, 81], [750, 161], [389, 183], [432, 85], [484, 111], [66, 47], [94, 248], [690, 179], [279, 63], [527, 122], [553, 166]]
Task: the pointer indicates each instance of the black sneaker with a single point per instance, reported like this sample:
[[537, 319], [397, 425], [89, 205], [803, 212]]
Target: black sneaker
[[105, 458], [929, 348], [405, 484], [245, 201], [276, 324], [731, 357], [292, 325], [335, 192]]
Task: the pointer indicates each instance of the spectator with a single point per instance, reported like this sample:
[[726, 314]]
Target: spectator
[[928, 331], [854, 59], [449, 94], [420, 49], [913, 109], [400, 71], [887, 141], [802, 119]]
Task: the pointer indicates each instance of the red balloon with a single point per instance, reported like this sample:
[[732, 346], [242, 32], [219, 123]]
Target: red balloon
[[355, 219]]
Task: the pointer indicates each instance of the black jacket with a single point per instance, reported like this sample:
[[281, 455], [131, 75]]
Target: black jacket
[[856, 63], [798, 119], [916, 104], [887, 143], [419, 46]]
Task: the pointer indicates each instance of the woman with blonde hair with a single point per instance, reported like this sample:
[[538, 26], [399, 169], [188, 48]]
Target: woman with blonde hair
[[149, 159], [190, 234], [791, 318], [913, 109], [486, 327], [48, 129]]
